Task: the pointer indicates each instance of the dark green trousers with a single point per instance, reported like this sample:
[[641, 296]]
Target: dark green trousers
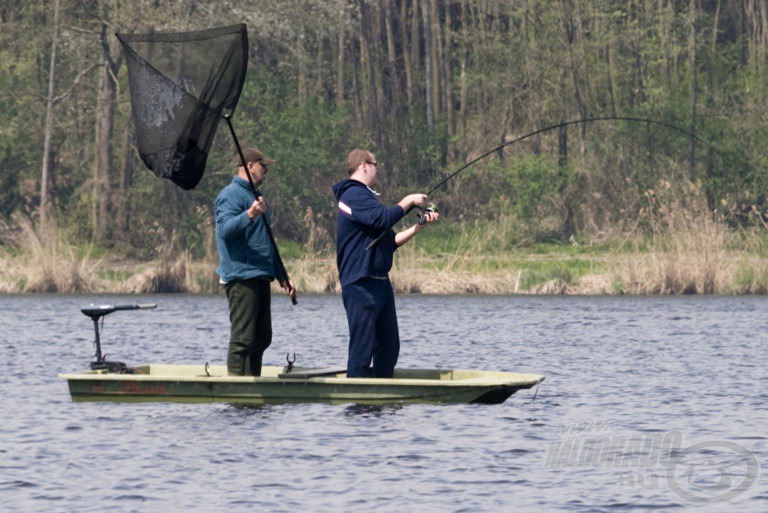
[[250, 320]]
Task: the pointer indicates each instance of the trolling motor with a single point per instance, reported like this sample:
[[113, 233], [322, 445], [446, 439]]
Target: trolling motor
[[96, 313]]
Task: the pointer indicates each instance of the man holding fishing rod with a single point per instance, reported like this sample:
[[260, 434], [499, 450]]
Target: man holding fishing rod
[[365, 247]]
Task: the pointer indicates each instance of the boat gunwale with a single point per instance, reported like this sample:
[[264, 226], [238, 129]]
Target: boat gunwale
[[484, 379]]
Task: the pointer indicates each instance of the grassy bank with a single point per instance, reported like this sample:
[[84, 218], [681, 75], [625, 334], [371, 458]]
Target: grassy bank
[[707, 257]]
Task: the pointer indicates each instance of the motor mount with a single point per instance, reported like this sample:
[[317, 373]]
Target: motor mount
[[97, 312]]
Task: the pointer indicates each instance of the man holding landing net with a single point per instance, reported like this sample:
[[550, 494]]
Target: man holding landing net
[[248, 264], [365, 247], [197, 78]]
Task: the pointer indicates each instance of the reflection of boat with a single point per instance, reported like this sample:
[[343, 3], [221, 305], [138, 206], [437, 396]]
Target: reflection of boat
[[115, 381]]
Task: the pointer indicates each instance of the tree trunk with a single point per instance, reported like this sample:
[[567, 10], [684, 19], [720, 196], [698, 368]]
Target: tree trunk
[[571, 26], [103, 156], [415, 41], [394, 80], [377, 72], [715, 24], [48, 130], [340, 41], [434, 29], [743, 36], [356, 62], [368, 23], [693, 85], [445, 76], [301, 75], [105, 108], [569, 228], [610, 79], [122, 203], [463, 76], [428, 66], [407, 43]]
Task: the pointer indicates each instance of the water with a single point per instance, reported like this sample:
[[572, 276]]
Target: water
[[621, 374]]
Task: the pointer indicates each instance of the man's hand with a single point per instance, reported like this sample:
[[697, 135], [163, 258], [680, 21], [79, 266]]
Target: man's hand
[[413, 200], [289, 287], [429, 217], [257, 208]]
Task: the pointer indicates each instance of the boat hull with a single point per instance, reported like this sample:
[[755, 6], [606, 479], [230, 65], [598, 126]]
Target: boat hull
[[203, 384]]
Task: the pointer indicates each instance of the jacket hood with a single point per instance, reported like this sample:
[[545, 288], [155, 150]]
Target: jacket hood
[[343, 185]]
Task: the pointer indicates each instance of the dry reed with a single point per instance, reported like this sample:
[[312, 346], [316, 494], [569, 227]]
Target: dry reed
[[47, 262], [688, 250], [683, 248]]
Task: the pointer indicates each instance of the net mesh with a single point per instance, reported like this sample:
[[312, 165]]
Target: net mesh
[[181, 85]]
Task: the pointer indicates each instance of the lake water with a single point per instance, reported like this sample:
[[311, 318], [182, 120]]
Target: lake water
[[648, 404]]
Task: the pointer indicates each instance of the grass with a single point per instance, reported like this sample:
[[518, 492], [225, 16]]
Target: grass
[[115, 275], [682, 253]]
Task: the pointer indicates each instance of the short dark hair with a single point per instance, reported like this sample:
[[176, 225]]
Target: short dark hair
[[253, 155], [355, 158]]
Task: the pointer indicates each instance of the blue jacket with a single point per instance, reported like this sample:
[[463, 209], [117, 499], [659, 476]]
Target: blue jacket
[[362, 218], [245, 251]]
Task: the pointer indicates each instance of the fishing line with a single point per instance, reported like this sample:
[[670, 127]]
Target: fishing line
[[574, 122], [553, 127]]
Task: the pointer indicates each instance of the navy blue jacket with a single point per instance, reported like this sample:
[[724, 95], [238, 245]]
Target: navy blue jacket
[[245, 250], [362, 218]]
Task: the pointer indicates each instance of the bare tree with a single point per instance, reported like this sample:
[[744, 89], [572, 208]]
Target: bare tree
[[48, 130], [105, 124]]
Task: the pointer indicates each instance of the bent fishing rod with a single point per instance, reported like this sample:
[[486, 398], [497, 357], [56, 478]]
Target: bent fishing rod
[[537, 132], [257, 194]]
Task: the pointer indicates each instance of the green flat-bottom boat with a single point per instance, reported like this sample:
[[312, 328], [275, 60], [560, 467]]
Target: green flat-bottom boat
[[115, 381], [204, 383]]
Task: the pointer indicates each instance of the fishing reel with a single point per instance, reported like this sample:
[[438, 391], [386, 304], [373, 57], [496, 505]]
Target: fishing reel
[[426, 210], [422, 220]]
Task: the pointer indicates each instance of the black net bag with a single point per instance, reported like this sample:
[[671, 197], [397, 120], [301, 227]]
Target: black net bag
[[181, 85]]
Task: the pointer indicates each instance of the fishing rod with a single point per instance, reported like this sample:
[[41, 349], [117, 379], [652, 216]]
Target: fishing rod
[[568, 123], [537, 132]]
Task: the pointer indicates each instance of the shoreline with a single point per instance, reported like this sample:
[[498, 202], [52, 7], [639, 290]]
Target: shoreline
[[594, 274]]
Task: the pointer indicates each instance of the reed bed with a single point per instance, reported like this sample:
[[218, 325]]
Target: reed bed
[[680, 252], [46, 262]]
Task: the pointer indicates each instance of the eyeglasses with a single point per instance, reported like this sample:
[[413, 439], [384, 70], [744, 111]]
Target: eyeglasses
[[374, 164]]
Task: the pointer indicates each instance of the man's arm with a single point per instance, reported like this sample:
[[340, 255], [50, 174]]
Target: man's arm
[[366, 210], [413, 200], [409, 233], [231, 219]]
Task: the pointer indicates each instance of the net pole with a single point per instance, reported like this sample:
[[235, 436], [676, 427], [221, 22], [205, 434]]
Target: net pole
[[257, 193]]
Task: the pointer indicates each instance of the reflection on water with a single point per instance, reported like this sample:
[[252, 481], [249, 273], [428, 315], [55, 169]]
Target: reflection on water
[[372, 410], [248, 410], [616, 368]]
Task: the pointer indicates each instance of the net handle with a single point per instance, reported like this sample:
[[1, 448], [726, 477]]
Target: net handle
[[257, 193]]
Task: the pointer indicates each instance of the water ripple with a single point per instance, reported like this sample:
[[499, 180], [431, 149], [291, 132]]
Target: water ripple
[[616, 367]]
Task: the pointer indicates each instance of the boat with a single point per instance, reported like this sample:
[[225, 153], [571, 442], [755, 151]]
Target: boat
[[205, 383]]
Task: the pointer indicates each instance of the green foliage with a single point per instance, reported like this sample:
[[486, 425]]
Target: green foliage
[[529, 188], [9, 183], [308, 140], [316, 89], [412, 155]]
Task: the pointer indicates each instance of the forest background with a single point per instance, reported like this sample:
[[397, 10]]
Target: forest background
[[675, 205]]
